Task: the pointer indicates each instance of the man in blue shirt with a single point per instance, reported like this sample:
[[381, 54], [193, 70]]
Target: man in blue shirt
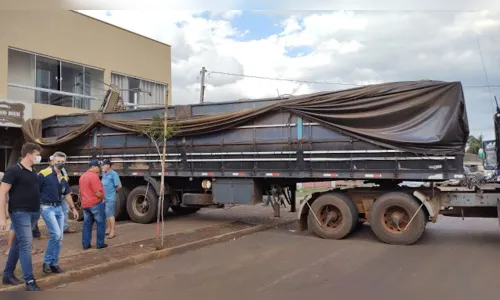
[[112, 184], [64, 205], [53, 185]]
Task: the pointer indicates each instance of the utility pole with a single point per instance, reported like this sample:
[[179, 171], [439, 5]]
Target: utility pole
[[203, 72]]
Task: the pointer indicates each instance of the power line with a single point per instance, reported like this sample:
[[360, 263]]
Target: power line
[[489, 86], [282, 79], [485, 73]]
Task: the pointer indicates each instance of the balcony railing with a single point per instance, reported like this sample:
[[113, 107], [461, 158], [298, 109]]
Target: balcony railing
[[47, 96]]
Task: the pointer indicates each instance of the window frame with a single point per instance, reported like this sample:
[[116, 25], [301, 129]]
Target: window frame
[[134, 103], [59, 91]]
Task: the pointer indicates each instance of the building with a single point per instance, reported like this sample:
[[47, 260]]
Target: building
[[62, 62]]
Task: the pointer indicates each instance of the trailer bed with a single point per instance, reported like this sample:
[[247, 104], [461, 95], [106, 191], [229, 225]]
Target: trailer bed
[[279, 144], [390, 131]]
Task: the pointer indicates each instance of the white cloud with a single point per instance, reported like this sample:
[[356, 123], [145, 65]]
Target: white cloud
[[227, 14], [290, 25], [345, 47]]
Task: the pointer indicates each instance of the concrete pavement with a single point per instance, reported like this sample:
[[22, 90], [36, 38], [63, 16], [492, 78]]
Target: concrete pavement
[[455, 260], [136, 242]]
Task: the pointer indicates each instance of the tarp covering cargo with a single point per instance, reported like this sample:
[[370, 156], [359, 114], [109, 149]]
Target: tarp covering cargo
[[426, 117]]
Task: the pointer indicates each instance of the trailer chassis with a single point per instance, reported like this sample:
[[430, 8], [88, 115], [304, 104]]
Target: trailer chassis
[[396, 215]]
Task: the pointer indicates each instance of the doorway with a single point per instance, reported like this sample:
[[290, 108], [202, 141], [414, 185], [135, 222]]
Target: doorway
[[10, 138]]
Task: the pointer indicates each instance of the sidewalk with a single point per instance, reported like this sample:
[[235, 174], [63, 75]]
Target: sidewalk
[[133, 239]]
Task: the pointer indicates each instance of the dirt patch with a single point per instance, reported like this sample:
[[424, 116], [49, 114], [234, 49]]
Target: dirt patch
[[73, 225], [92, 257]]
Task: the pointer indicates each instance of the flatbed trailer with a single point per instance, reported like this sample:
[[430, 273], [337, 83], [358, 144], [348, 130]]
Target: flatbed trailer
[[267, 156]]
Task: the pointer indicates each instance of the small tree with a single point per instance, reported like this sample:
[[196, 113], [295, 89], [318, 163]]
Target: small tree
[[154, 131], [158, 131], [474, 144]]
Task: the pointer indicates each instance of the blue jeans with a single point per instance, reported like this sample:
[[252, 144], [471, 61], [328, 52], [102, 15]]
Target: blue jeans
[[65, 208], [54, 220], [110, 208], [23, 223], [268, 201], [91, 215]]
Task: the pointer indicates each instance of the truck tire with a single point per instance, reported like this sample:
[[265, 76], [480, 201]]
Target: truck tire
[[339, 213], [180, 210], [77, 201], [142, 207], [391, 213], [121, 204]]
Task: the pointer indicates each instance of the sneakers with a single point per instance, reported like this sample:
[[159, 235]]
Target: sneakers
[[56, 269], [31, 286], [52, 269]]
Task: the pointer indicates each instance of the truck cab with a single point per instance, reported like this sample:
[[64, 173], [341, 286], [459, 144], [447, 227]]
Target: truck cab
[[490, 157]]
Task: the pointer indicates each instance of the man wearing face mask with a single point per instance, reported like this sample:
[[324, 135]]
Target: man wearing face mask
[[53, 186], [20, 183], [64, 205]]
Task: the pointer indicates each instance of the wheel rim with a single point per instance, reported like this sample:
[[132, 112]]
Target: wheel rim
[[395, 219], [330, 217], [140, 205]]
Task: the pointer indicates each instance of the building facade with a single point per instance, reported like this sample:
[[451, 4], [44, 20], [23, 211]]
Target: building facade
[[63, 62]]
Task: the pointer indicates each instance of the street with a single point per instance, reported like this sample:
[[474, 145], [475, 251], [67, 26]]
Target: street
[[454, 260]]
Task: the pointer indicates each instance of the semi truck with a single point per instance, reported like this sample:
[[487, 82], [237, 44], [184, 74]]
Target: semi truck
[[490, 157], [239, 152]]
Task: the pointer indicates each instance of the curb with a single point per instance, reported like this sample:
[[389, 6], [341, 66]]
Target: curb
[[75, 275]]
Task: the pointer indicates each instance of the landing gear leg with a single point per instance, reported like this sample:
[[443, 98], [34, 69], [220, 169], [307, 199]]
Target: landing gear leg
[[276, 201], [293, 198]]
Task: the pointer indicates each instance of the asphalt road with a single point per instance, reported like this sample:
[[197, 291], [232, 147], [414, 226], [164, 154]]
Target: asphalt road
[[454, 260]]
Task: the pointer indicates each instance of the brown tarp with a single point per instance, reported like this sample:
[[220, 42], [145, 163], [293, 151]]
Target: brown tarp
[[426, 117]]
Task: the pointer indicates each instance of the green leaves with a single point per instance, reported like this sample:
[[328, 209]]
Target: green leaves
[[155, 130], [474, 144]]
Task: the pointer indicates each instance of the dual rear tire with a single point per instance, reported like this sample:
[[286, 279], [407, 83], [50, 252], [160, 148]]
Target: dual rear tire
[[332, 216], [142, 205], [395, 218]]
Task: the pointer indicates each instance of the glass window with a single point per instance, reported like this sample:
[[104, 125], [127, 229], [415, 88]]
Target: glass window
[[21, 68], [94, 86], [153, 94], [71, 82], [48, 75], [40, 79], [21, 72], [121, 82], [138, 92], [134, 95], [72, 78]]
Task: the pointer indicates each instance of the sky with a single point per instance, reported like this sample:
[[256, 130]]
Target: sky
[[324, 50]]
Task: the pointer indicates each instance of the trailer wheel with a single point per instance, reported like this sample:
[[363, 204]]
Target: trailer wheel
[[390, 215], [121, 203], [337, 216], [180, 210], [77, 200], [142, 206]]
